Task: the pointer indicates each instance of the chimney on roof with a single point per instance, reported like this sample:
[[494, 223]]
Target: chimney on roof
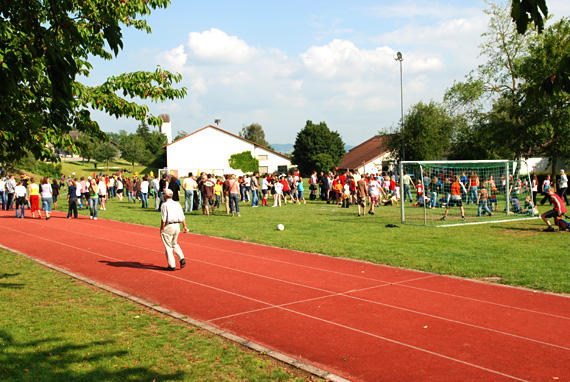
[[166, 127]]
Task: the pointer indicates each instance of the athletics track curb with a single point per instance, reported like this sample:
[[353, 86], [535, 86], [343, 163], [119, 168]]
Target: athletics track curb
[[231, 337]]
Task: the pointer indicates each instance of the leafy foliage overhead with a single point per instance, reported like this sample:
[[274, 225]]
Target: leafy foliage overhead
[[525, 12], [44, 47]]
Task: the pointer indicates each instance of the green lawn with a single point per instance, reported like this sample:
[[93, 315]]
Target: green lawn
[[55, 328], [515, 253]]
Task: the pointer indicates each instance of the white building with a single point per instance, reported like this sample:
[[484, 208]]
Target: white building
[[209, 149]]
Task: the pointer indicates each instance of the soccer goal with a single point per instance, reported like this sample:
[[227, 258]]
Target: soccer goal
[[446, 193]]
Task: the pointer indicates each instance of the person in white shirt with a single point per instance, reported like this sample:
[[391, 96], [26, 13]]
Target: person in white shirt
[[21, 197], [102, 187], [189, 186], [171, 216], [112, 187], [278, 187], [145, 185], [10, 187], [46, 193], [374, 190], [265, 190]]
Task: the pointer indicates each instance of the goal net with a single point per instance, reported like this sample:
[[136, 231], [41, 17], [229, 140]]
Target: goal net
[[443, 193]]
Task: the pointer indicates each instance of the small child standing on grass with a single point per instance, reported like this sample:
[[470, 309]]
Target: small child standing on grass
[[482, 201]]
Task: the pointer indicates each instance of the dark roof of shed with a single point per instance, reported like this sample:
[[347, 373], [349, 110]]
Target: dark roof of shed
[[365, 152]]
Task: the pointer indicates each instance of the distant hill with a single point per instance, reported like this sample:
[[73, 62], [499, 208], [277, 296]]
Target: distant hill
[[287, 148]]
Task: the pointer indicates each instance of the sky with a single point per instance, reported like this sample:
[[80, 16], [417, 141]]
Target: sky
[[281, 63]]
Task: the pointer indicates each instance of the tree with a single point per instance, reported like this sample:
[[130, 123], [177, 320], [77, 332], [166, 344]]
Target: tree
[[86, 145], [45, 46], [254, 133], [547, 115], [105, 152], [497, 131], [181, 134], [244, 161], [143, 130], [133, 149], [313, 144], [427, 133]]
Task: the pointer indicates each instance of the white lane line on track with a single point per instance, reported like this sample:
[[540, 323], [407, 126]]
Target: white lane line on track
[[295, 312], [330, 294], [362, 277]]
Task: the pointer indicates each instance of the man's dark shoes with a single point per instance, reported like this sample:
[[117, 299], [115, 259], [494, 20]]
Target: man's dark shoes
[[182, 263], [549, 229], [171, 269]]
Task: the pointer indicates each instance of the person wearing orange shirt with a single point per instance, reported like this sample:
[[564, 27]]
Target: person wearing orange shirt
[[455, 198]]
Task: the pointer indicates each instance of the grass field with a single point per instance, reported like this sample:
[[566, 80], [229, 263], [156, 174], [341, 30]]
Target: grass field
[[515, 253], [54, 328]]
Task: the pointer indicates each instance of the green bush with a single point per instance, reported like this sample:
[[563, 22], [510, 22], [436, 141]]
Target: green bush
[[31, 164], [244, 162]]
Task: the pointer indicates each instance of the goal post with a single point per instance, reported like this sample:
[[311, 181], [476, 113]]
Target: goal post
[[444, 193]]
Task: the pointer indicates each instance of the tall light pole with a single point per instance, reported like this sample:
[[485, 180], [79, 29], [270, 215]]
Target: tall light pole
[[400, 58]]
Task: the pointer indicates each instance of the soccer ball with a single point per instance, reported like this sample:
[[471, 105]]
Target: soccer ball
[[280, 227]]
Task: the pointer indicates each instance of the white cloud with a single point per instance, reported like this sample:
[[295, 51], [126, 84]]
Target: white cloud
[[215, 45], [342, 58], [339, 82], [173, 59]]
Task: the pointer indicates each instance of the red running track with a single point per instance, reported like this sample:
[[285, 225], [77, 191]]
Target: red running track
[[360, 321]]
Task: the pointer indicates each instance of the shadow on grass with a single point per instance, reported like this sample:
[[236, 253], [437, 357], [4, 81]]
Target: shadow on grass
[[523, 229], [10, 285], [131, 264], [53, 359], [6, 275]]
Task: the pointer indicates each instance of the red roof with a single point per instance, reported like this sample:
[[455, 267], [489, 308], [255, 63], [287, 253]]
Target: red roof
[[233, 135], [365, 152]]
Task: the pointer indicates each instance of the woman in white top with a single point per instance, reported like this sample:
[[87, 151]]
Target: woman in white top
[[145, 185], [102, 186], [46, 193], [20, 194]]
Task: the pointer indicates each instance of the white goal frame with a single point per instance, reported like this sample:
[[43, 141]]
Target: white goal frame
[[509, 165]]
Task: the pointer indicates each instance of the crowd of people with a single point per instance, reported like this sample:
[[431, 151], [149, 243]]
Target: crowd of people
[[212, 193]]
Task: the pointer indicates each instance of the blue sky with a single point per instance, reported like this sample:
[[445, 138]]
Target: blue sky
[[282, 63]]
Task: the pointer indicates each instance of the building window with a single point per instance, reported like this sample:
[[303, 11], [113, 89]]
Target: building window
[[263, 170], [262, 157]]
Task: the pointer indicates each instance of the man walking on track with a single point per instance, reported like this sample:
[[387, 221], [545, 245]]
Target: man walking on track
[[171, 217]]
